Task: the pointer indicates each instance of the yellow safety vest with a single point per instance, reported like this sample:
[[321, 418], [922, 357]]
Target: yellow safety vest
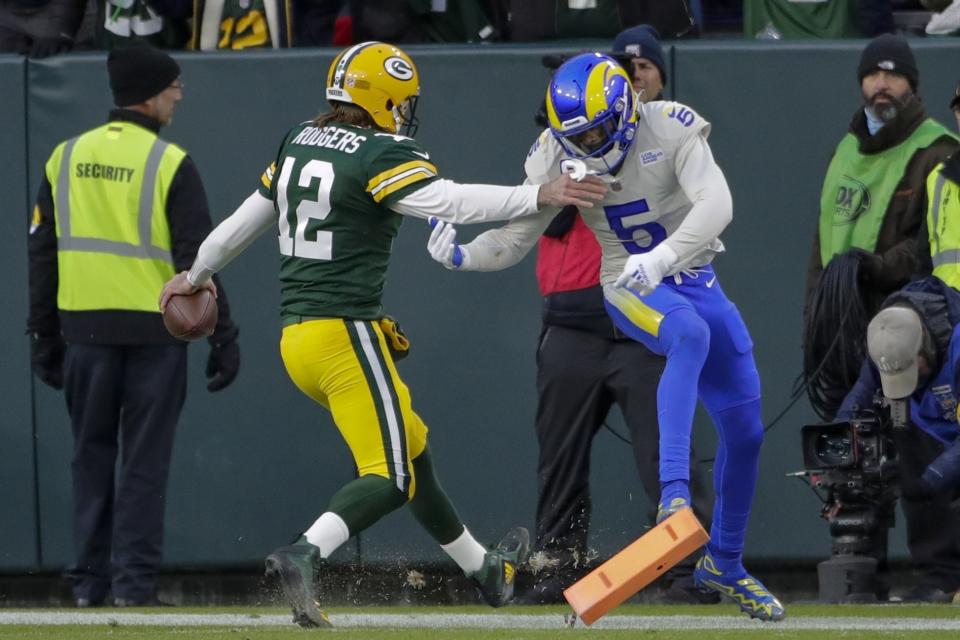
[[110, 190], [943, 222]]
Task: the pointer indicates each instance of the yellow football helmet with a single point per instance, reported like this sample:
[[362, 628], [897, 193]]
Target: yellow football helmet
[[380, 79]]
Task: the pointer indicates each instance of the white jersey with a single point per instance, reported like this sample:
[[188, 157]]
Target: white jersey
[[668, 189]]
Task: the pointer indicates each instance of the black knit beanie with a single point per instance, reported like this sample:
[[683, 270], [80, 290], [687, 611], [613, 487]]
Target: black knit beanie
[[889, 53], [138, 72], [642, 41]]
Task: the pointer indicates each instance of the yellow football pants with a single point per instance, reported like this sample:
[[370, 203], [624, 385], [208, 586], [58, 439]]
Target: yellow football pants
[[345, 365]]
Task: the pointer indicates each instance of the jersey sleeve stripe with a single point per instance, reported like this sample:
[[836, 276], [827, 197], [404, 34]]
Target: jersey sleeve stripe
[[266, 178], [399, 172], [415, 175]]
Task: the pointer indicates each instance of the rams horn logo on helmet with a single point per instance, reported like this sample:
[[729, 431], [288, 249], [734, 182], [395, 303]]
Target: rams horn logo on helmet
[[398, 68]]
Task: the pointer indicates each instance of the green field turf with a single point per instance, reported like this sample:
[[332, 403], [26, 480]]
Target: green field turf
[[251, 623], [151, 633]]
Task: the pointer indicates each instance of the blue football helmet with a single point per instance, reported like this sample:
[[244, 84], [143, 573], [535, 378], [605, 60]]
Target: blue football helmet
[[592, 110]]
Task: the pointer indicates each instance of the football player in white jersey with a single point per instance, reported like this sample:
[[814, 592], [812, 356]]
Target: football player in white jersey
[[659, 227]]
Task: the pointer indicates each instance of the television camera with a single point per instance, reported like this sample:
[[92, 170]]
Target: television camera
[[852, 467]]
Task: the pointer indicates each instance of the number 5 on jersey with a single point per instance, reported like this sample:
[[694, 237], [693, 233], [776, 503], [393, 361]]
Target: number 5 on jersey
[[301, 242], [626, 221]]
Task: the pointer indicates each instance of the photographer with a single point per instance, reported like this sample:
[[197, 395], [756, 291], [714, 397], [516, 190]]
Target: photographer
[[914, 357]]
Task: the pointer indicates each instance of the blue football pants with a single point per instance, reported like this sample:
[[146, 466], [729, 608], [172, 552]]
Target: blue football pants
[[709, 355]]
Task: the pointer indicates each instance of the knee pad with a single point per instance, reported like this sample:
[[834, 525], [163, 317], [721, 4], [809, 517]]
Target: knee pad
[[683, 333], [741, 427]]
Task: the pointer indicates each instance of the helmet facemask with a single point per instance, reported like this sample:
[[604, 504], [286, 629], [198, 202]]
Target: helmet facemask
[[405, 116], [606, 139]]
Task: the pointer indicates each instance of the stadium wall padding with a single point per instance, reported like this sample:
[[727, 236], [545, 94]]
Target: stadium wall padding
[[18, 522], [255, 464]]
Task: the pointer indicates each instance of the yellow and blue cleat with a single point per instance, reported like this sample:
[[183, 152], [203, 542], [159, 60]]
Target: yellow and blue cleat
[[664, 511], [749, 593]]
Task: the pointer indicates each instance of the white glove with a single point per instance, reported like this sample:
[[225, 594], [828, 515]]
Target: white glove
[[644, 271], [443, 246]]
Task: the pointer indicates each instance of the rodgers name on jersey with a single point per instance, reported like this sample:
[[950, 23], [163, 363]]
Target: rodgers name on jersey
[[646, 202], [332, 188]]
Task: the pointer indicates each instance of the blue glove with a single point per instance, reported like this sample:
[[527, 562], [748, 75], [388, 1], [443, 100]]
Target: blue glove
[[443, 246]]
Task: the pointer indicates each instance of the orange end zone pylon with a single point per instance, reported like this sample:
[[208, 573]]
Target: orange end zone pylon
[[639, 564]]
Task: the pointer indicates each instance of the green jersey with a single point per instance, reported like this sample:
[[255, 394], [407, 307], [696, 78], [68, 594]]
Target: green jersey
[[332, 187]]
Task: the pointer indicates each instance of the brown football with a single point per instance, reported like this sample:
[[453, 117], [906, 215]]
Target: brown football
[[191, 317]]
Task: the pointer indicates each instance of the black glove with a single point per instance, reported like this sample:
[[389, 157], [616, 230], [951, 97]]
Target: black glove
[[46, 359], [223, 364], [50, 46], [916, 489], [870, 264]]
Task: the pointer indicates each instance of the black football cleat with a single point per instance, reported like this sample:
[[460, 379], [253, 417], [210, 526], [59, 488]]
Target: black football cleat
[[495, 579], [293, 566]]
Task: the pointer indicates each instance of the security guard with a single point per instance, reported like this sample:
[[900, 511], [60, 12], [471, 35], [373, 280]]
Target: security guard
[[118, 213], [943, 213]]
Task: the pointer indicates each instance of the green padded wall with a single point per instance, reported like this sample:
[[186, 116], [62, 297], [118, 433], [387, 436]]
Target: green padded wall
[[18, 548], [253, 465]]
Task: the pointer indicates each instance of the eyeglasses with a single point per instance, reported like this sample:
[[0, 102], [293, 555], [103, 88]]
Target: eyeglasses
[[177, 84]]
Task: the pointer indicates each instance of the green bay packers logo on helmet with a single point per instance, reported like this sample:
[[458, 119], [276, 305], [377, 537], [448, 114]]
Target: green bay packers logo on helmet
[[380, 79], [398, 68]]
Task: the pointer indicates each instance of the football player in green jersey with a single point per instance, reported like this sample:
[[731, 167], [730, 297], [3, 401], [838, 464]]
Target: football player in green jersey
[[337, 192]]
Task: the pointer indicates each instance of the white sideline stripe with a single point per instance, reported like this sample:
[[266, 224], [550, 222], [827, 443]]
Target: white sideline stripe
[[484, 621]]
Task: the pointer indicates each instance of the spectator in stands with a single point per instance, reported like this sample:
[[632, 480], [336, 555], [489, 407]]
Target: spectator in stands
[[547, 19], [39, 28], [873, 205], [244, 24], [788, 19], [946, 20], [584, 366], [452, 21], [162, 23], [321, 23]]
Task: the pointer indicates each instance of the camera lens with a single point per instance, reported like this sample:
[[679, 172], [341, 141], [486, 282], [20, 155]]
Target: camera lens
[[834, 450]]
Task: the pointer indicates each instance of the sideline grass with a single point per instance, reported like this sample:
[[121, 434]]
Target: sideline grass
[[254, 633], [241, 631], [163, 633], [793, 610]]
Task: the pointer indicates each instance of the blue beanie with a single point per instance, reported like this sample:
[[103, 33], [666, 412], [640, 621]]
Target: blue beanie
[[641, 41]]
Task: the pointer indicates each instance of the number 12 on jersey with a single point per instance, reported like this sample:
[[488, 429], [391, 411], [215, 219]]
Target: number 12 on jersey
[[315, 244]]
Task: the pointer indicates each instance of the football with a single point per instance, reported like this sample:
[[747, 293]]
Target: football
[[191, 317]]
